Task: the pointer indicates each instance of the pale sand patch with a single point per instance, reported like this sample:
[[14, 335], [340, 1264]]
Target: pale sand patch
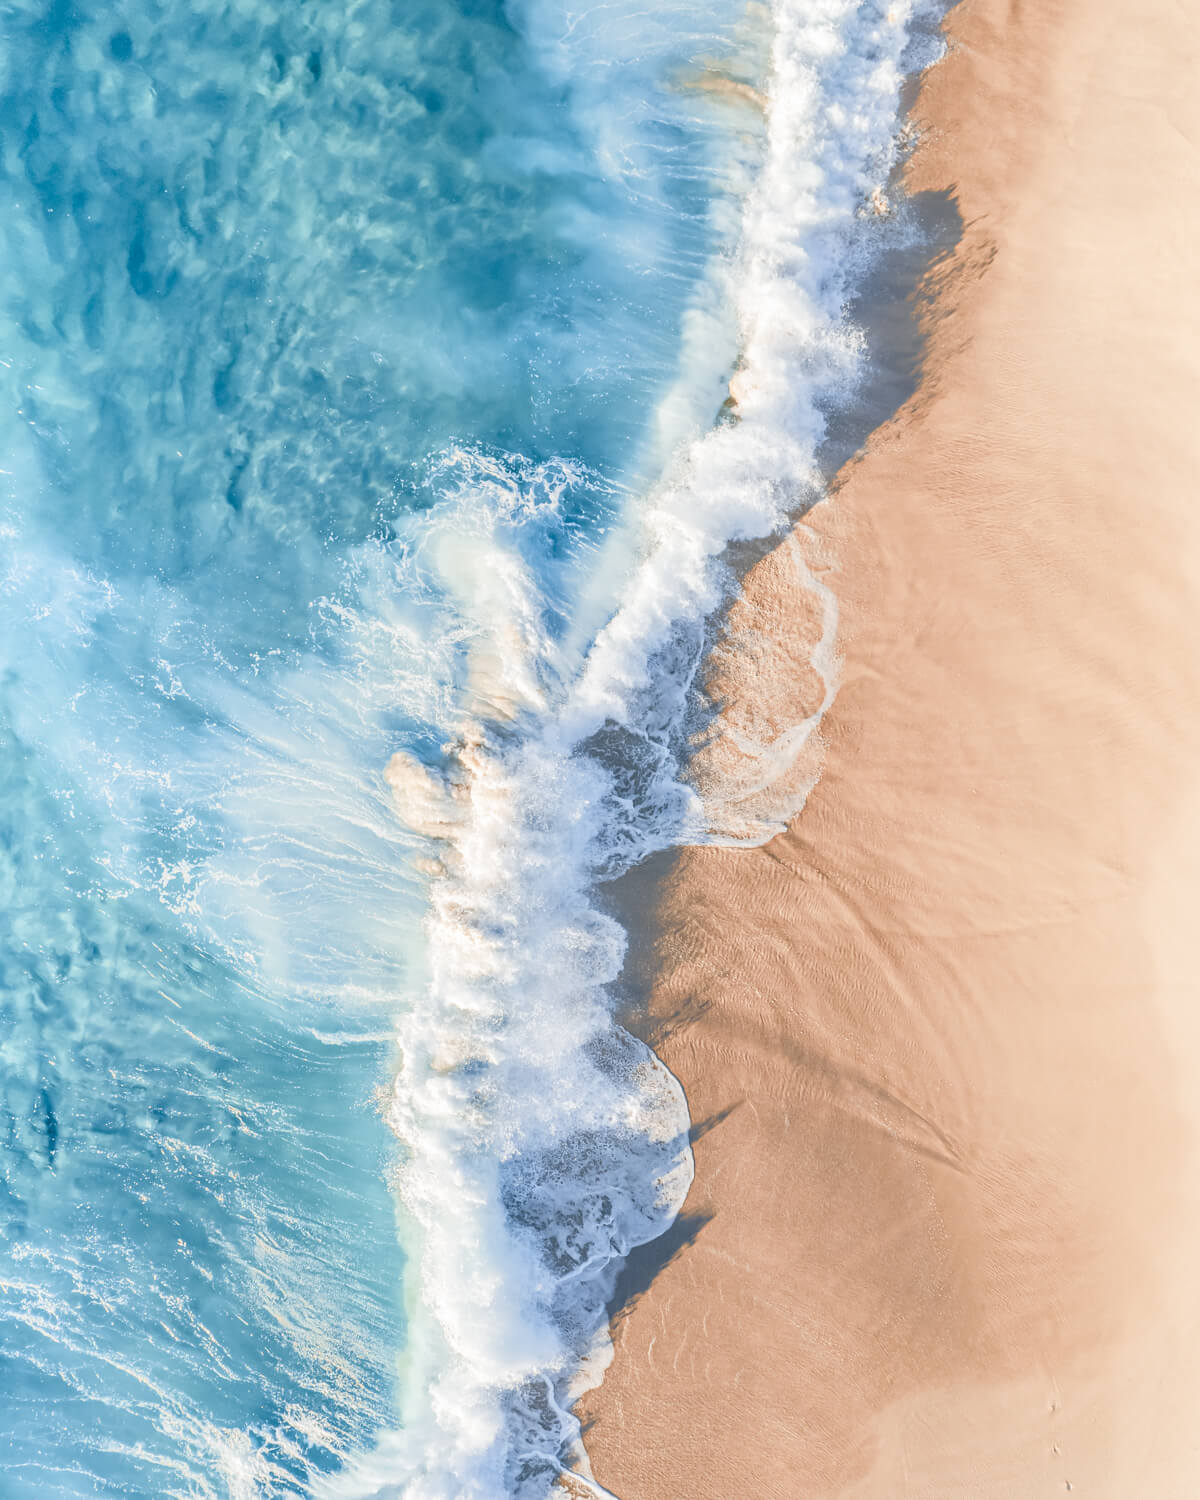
[[948, 1026]]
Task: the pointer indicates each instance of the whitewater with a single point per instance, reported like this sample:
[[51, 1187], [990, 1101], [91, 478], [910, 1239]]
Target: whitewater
[[354, 605]]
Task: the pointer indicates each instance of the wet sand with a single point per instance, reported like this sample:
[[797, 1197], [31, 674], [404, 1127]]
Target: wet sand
[[941, 1039]]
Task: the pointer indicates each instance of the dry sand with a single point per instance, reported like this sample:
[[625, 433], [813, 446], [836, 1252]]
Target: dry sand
[[942, 1038]]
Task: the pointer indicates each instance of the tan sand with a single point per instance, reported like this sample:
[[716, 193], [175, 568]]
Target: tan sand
[[946, 1031]]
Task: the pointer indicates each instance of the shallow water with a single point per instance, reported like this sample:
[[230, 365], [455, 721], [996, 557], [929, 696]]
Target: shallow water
[[341, 652]]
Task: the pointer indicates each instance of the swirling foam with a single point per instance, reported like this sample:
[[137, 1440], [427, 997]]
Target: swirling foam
[[541, 1142]]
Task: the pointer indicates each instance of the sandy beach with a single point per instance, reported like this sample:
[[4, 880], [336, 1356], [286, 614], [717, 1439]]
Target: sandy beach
[[941, 1039]]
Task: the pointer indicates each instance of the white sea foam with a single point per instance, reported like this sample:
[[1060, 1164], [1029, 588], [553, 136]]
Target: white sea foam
[[540, 1141]]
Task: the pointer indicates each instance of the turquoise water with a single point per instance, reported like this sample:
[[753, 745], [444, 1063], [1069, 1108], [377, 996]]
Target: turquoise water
[[262, 265], [360, 509]]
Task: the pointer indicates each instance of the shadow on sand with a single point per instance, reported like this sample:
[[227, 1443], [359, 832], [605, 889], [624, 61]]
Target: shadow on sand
[[912, 255]]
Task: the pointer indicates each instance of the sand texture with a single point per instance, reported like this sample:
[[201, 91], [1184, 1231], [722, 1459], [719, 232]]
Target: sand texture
[[941, 1040]]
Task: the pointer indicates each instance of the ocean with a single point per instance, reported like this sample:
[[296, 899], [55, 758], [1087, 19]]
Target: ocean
[[381, 387]]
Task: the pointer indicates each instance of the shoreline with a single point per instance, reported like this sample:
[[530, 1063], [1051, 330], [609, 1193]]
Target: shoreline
[[938, 1038]]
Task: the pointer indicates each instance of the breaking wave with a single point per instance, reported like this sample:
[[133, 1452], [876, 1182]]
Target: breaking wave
[[270, 852]]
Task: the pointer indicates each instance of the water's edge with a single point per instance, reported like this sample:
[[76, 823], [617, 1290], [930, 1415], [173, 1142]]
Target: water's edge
[[569, 1177]]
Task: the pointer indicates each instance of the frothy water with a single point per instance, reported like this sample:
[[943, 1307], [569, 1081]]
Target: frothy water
[[363, 510]]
